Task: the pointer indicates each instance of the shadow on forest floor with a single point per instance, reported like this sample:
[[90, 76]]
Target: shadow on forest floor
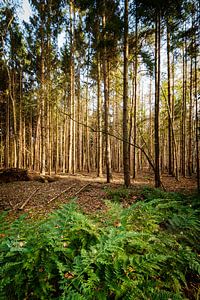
[[37, 199]]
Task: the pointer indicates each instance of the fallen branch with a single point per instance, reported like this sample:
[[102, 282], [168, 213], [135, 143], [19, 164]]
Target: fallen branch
[[28, 199], [81, 189], [11, 205], [56, 197]]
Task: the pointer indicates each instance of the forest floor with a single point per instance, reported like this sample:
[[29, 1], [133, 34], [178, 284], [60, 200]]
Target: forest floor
[[38, 199]]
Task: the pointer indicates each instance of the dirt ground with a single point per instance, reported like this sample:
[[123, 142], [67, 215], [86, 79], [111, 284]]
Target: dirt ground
[[37, 199]]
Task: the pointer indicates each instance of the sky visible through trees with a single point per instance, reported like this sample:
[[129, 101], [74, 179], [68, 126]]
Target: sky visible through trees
[[100, 86]]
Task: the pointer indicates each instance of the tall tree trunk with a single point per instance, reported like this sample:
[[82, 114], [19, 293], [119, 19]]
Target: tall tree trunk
[[48, 100], [11, 155], [183, 109], [64, 139], [37, 135], [25, 162], [73, 96], [170, 170], [71, 162], [197, 124], [172, 116], [31, 148], [99, 122], [190, 123], [157, 101], [78, 134], [150, 121], [56, 145], [42, 99], [14, 123], [87, 135], [19, 161], [126, 154], [135, 95], [106, 103], [7, 139]]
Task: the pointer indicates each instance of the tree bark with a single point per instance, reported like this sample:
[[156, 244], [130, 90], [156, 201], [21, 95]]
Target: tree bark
[[99, 122], [170, 170], [42, 100], [106, 102], [7, 139], [157, 102], [71, 166], [197, 125], [126, 154], [183, 110], [135, 95], [189, 161]]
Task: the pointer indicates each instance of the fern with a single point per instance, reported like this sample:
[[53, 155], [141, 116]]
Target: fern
[[149, 253]]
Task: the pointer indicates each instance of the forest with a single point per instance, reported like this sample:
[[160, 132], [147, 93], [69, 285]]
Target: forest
[[121, 94], [99, 149]]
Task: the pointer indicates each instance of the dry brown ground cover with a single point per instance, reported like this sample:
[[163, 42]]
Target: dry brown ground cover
[[14, 195]]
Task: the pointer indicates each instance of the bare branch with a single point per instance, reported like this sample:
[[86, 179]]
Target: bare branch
[[27, 200], [66, 190], [81, 189]]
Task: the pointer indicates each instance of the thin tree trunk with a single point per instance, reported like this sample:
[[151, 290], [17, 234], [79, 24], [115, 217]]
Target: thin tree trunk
[[190, 124], [78, 134], [57, 145], [183, 119], [106, 105], [19, 161], [73, 96], [14, 123], [64, 140], [170, 170], [99, 122], [37, 136], [197, 126], [157, 101], [31, 141], [42, 100], [135, 96], [25, 162], [7, 139], [150, 120], [87, 129], [71, 93], [126, 154]]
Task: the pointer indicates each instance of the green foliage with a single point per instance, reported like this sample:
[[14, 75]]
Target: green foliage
[[146, 251], [119, 194]]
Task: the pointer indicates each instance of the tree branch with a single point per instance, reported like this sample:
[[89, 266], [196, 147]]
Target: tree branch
[[112, 135]]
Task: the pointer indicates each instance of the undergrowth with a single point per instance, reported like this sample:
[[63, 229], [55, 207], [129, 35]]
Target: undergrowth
[[146, 251]]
